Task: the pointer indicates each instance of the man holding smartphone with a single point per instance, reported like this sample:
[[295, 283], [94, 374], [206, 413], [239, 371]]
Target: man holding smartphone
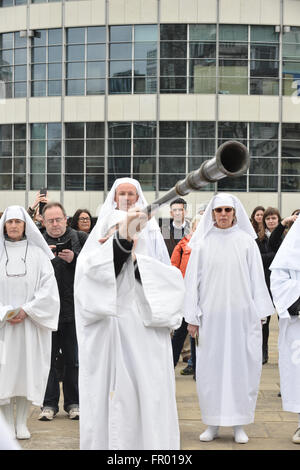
[[66, 244]]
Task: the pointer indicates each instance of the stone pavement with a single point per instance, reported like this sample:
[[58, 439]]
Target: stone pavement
[[272, 428]]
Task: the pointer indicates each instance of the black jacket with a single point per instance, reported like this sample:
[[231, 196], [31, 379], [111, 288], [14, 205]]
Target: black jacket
[[65, 272], [267, 255], [173, 235]]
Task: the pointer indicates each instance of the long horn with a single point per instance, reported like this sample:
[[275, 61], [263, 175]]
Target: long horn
[[231, 159]]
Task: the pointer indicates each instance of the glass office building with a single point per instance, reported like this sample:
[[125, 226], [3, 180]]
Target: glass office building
[[92, 90]]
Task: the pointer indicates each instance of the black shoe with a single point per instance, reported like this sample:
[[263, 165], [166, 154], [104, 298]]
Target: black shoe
[[187, 371], [279, 394]]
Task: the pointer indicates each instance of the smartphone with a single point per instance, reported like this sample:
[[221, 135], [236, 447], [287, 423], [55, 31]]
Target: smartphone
[[43, 191], [67, 245]]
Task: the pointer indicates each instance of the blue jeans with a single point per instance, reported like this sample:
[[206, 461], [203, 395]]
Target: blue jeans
[[65, 339]]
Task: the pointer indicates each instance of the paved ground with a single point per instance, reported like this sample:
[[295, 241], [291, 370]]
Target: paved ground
[[272, 429]]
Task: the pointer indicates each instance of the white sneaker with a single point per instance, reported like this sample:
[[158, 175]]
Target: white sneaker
[[296, 437], [240, 436], [74, 413], [209, 434], [47, 414]]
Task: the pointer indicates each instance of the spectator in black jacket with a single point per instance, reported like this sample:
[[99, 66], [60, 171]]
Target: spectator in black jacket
[[64, 339], [271, 219], [278, 233]]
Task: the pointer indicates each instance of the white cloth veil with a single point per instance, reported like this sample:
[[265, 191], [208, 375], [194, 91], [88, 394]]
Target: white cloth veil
[[206, 223], [150, 236], [32, 233]]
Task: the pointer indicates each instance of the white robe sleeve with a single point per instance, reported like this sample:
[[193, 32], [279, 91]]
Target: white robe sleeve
[[95, 288], [43, 309], [285, 288], [192, 310], [163, 289], [260, 294]]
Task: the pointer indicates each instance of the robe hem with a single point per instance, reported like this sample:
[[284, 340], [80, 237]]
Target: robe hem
[[291, 407], [230, 421]]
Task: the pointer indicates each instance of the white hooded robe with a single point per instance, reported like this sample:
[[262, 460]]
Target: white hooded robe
[[226, 295], [126, 374]]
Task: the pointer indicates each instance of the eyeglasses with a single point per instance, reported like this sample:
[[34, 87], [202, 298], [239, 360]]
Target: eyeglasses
[[84, 219], [226, 209], [23, 259], [58, 220]]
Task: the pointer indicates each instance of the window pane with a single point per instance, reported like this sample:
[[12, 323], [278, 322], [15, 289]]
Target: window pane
[[232, 85], [53, 165], [263, 183], [75, 53], [233, 68], [20, 56], [74, 148], [74, 165], [75, 70], [38, 88], [173, 31], [53, 182], [119, 130], [144, 165], [95, 87], [233, 32], [38, 148], [75, 87], [54, 148], [95, 129], [74, 130], [37, 165], [74, 182], [119, 147], [174, 49], [54, 36], [95, 165], [265, 166], [5, 181], [19, 182], [37, 181], [6, 149], [54, 130], [94, 183], [264, 52], [290, 183], [6, 41], [38, 72], [119, 165], [233, 50], [233, 184], [54, 54], [20, 148], [20, 73], [144, 147], [75, 35], [145, 32], [120, 33], [263, 34], [54, 71], [94, 147], [146, 50], [120, 51], [96, 52], [202, 49], [19, 165], [5, 165], [38, 131], [290, 148], [38, 54], [95, 69], [20, 131], [120, 68], [202, 32], [96, 34], [120, 85], [264, 86], [54, 88], [169, 67]]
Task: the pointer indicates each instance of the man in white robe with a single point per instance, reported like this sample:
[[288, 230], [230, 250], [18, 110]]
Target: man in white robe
[[226, 298], [123, 321], [28, 288], [285, 287]]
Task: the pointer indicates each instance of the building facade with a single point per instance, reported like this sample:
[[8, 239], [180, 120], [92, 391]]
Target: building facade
[[92, 90]]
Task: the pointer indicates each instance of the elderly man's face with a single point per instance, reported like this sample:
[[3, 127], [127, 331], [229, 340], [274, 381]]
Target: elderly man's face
[[126, 196], [223, 216]]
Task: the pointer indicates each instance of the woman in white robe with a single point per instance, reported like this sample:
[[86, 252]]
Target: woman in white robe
[[29, 291], [126, 374], [226, 298], [285, 287]]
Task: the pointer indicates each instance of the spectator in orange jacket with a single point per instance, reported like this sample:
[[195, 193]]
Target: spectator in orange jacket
[[179, 258]]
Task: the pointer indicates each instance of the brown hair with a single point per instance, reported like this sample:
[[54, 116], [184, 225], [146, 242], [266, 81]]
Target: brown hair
[[252, 219], [269, 211]]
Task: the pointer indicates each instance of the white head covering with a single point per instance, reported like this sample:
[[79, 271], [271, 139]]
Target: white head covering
[[32, 233], [150, 238], [288, 255], [206, 223]]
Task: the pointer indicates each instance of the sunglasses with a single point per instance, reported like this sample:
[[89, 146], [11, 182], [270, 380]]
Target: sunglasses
[[226, 209]]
